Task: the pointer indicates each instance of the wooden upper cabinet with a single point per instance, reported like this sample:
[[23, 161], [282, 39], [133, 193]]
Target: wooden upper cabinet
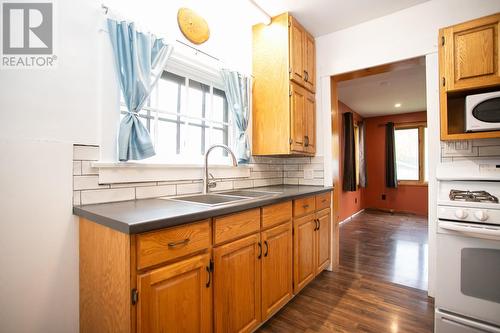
[[471, 54], [297, 51], [176, 298], [284, 70], [309, 62], [237, 293]]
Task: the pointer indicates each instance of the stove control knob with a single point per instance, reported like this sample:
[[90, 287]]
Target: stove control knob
[[460, 214], [481, 215]]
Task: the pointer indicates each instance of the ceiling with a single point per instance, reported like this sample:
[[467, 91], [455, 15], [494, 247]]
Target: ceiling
[[376, 95], [321, 17]]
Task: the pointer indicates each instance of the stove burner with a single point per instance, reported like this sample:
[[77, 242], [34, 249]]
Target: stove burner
[[475, 196]]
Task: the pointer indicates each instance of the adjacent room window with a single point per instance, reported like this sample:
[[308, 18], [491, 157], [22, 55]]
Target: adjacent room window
[[411, 153], [184, 116]]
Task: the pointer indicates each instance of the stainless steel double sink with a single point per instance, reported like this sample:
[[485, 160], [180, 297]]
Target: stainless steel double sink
[[221, 198]]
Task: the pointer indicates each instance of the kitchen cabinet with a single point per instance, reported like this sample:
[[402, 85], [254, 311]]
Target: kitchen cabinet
[[284, 107], [312, 238], [237, 275], [469, 61], [276, 268], [176, 298], [225, 274], [304, 243]]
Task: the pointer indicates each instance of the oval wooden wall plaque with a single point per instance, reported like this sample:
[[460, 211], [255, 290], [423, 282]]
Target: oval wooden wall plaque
[[193, 26]]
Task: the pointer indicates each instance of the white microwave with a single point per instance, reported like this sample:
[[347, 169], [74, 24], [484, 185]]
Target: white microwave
[[482, 112]]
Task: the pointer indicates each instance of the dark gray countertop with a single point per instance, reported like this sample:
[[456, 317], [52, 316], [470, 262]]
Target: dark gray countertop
[[143, 215]]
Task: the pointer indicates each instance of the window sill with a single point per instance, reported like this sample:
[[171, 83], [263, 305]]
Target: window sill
[[132, 172], [412, 183]]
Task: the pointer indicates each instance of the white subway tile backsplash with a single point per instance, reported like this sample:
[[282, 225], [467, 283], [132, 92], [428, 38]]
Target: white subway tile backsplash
[[237, 184], [76, 198], [107, 195], [489, 151], [154, 191], [262, 171], [486, 142], [189, 188], [87, 183], [267, 182], [77, 168], [85, 153], [87, 168]]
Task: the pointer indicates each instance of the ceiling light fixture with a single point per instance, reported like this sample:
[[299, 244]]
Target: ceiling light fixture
[[397, 105], [264, 16]]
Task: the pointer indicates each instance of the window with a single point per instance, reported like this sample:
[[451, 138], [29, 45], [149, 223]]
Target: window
[[411, 153], [184, 117]]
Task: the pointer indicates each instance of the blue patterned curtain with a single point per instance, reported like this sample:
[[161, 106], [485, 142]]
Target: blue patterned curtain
[[140, 59], [237, 88]]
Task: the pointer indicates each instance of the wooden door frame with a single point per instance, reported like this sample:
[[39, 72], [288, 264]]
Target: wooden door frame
[[336, 125]]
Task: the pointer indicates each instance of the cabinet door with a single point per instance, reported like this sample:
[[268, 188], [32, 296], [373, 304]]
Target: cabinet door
[[310, 124], [276, 268], [237, 285], [471, 54], [304, 242], [297, 117], [323, 240], [309, 62], [176, 298], [296, 40]]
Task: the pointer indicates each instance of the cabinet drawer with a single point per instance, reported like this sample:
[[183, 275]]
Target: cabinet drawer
[[159, 246], [304, 206], [323, 201], [276, 214], [237, 225]]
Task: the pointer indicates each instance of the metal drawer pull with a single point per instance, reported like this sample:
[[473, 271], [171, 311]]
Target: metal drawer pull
[[305, 206], [319, 223], [260, 250], [267, 248], [179, 243]]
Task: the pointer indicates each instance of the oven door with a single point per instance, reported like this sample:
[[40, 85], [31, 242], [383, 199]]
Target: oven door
[[468, 270], [449, 323]]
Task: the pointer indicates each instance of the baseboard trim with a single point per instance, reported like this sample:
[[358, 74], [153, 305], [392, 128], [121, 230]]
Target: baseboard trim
[[352, 216]]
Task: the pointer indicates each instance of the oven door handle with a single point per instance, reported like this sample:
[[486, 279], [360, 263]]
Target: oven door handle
[[467, 322], [470, 230]]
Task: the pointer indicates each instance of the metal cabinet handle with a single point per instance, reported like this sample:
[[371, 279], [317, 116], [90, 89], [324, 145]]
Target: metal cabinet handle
[[260, 250], [209, 277], [267, 248], [319, 224], [306, 76], [305, 206], [179, 243], [306, 141]]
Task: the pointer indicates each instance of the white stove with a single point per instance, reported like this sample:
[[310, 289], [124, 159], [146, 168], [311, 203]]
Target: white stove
[[468, 247]]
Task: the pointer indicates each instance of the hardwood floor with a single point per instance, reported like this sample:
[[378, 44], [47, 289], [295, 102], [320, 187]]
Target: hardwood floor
[[382, 263]]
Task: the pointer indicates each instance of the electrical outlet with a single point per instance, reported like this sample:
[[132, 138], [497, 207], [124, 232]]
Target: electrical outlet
[[308, 174], [355, 200], [383, 196]]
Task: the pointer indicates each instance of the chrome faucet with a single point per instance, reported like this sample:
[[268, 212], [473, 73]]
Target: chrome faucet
[[207, 183]]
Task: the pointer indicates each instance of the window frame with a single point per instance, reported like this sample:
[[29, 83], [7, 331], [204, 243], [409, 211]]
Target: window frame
[[188, 69], [421, 126], [356, 153]]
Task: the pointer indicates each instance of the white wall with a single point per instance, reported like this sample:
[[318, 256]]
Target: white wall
[[42, 113], [409, 33]]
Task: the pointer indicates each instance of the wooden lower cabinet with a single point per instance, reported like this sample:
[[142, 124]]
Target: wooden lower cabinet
[[304, 243], [237, 293], [176, 298], [323, 240], [277, 259]]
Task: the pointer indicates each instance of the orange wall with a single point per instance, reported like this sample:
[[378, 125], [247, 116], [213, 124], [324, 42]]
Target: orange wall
[[405, 198], [350, 202]]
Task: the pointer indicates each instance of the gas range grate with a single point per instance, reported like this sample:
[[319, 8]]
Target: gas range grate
[[474, 196]]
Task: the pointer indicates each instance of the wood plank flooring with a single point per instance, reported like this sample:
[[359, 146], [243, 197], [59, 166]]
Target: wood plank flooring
[[383, 260]]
